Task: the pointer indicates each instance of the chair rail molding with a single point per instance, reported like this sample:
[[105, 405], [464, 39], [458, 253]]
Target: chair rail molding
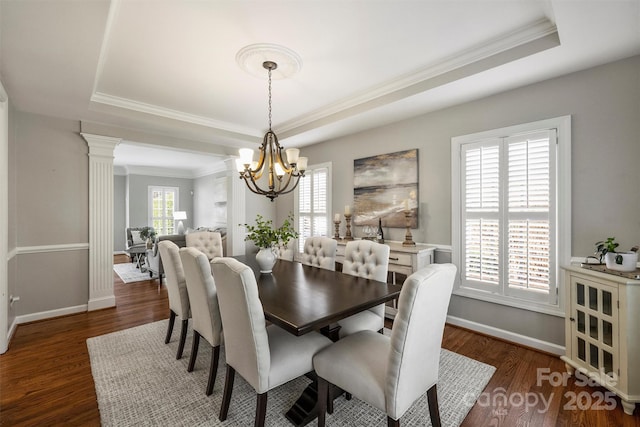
[[101, 220]]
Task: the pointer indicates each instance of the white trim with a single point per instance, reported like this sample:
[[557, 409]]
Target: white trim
[[26, 318], [510, 301], [51, 248], [168, 113], [4, 219], [12, 331], [102, 302], [12, 253], [507, 335]]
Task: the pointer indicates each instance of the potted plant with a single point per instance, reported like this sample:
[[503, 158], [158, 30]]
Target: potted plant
[[620, 261], [266, 237], [148, 234]]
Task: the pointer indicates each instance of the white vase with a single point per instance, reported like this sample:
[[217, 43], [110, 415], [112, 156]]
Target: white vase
[[266, 258], [621, 261]]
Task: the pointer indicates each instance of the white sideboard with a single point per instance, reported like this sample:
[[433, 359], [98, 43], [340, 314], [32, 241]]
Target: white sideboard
[[402, 259], [602, 333]]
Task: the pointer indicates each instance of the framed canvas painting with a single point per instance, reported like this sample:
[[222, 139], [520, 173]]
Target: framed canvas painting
[[384, 186]]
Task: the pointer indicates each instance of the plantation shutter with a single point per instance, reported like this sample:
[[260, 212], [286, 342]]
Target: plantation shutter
[[481, 214], [530, 225], [313, 204], [508, 230]]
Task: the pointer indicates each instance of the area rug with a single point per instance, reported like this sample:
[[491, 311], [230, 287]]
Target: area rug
[[139, 382], [129, 273]]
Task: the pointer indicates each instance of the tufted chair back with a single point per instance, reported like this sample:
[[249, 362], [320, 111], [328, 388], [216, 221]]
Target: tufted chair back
[[367, 259], [415, 350], [207, 242], [286, 251], [320, 251], [370, 260]]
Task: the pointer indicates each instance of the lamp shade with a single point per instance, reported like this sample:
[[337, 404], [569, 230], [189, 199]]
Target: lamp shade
[[178, 215]]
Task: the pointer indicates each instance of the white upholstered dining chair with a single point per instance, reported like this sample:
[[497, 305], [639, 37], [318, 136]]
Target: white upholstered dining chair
[[391, 373], [320, 251], [265, 357], [176, 290], [205, 309], [368, 259], [207, 242], [285, 250]]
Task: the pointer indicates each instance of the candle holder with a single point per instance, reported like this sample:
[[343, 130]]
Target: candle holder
[[347, 235], [408, 238], [337, 235]]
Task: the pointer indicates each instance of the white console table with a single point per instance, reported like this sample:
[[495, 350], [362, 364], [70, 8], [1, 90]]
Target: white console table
[[402, 259], [602, 337]]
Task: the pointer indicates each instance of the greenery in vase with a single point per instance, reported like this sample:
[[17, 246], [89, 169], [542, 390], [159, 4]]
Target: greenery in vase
[[264, 235], [147, 233], [605, 246]]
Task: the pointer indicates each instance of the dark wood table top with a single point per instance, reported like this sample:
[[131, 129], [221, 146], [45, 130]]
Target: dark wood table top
[[301, 299]]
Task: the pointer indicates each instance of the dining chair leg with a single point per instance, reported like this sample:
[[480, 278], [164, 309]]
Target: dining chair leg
[[194, 351], [261, 409], [323, 391], [392, 423], [434, 411], [213, 369], [172, 319], [226, 396], [183, 338]]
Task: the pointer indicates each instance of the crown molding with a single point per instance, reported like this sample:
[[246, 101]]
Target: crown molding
[[523, 36], [154, 110]]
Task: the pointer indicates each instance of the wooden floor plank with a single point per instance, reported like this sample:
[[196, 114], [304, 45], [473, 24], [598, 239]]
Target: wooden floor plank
[[45, 377]]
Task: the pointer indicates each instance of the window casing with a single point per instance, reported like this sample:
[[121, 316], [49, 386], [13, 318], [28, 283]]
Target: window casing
[[313, 203], [163, 201], [511, 214]]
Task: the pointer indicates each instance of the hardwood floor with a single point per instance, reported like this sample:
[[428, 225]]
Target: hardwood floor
[[45, 377]]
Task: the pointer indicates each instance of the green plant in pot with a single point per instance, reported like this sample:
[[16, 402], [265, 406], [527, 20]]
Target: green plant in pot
[[620, 261], [148, 234], [265, 236]]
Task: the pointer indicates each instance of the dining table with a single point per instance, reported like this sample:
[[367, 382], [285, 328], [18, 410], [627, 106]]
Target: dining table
[[300, 299]]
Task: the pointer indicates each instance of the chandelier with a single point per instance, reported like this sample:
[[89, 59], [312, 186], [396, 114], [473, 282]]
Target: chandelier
[[282, 176]]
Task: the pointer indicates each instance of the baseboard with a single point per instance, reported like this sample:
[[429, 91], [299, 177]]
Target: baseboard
[[50, 313], [508, 335], [100, 303], [10, 333]]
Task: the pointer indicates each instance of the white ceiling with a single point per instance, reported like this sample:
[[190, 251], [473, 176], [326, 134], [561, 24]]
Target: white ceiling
[[168, 67]]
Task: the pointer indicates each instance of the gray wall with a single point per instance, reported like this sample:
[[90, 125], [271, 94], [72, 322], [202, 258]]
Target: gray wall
[[119, 212], [49, 205], [604, 103], [12, 214]]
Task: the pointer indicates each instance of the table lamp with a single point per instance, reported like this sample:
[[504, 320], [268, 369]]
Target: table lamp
[[179, 216]]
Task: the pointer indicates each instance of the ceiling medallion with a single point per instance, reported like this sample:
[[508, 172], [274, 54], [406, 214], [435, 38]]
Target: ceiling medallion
[[250, 59]]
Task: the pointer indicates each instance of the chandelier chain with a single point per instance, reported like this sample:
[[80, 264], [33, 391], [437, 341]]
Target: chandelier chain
[[269, 99]]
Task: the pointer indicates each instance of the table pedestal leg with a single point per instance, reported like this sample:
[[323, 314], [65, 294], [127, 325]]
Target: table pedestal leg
[[305, 409]]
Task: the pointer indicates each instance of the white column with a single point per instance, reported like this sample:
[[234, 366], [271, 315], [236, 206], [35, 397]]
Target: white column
[[101, 220], [236, 210]]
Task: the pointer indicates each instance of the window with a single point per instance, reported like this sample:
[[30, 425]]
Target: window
[[509, 204], [313, 203], [162, 202]]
